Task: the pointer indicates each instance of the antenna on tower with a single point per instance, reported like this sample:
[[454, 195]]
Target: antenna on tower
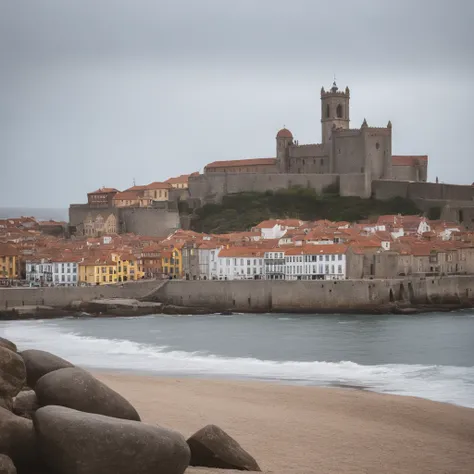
[[134, 181]]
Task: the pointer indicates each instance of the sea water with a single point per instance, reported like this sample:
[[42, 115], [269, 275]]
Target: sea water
[[429, 356]]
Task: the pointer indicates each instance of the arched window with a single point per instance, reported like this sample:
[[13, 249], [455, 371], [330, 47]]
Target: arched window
[[328, 111], [339, 111]]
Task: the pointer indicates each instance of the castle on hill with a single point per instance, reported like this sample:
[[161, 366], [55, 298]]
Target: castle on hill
[[351, 158]]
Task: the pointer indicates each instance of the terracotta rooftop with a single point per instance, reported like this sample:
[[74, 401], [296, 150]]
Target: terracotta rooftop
[[127, 195], [158, 185], [284, 133], [309, 249], [247, 162], [408, 160], [105, 191]]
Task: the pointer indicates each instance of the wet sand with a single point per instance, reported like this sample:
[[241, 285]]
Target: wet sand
[[290, 429]]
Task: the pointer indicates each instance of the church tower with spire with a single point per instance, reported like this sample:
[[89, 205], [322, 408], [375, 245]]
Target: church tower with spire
[[334, 111]]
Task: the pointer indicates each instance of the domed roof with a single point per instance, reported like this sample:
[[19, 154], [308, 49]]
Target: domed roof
[[284, 133]]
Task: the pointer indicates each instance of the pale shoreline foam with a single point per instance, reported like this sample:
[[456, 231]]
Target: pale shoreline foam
[[450, 384]]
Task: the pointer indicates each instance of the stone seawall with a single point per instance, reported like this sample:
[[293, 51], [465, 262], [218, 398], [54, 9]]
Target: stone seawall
[[314, 296], [62, 296]]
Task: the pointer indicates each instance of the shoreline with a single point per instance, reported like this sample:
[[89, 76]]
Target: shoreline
[[306, 429], [98, 310]]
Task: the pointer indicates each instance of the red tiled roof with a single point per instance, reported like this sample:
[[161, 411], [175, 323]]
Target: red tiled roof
[[284, 133], [158, 185], [105, 191], [7, 250], [247, 162], [408, 160], [180, 179], [317, 249], [127, 195]]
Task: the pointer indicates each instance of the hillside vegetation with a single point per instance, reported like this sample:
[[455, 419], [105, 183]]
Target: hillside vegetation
[[239, 212]]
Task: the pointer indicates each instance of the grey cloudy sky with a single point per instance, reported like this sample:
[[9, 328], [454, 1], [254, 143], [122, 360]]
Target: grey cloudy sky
[[101, 92]]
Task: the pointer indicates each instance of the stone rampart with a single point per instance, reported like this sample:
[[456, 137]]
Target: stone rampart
[[63, 296], [212, 187], [315, 296]]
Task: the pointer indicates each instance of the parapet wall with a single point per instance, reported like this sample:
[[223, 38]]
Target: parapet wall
[[63, 296], [212, 187], [386, 189], [155, 221], [314, 296]]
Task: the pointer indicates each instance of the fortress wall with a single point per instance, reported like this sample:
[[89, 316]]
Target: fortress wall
[[314, 296], [145, 221], [354, 185], [211, 188], [63, 296], [388, 189], [79, 212], [403, 173], [149, 221]]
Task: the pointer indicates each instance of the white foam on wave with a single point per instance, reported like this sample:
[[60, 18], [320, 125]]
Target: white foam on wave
[[442, 383]]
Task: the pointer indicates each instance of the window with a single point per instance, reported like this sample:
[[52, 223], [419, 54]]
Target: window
[[339, 257], [328, 111], [377, 145], [248, 262], [333, 257], [339, 269], [339, 111], [241, 261]]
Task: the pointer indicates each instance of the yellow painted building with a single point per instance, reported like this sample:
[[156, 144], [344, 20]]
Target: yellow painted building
[[8, 262], [116, 269], [172, 262], [97, 272], [128, 267]]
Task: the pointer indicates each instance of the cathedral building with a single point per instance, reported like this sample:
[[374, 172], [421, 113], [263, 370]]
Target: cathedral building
[[350, 157]]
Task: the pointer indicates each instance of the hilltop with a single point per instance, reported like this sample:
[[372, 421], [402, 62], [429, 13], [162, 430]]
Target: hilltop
[[241, 211]]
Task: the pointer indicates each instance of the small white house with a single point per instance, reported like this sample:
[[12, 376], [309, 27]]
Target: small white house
[[39, 271], [316, 262], [65, 271], [240, 263], [207, 258], [277, 228], [274, 264]]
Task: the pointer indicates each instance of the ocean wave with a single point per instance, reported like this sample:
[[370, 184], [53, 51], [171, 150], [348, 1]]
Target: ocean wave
[[437, 382]]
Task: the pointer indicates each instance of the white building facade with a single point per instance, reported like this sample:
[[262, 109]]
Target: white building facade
[[65, 273], [240, 263], [274, 261], [39, 272], [316, 262]]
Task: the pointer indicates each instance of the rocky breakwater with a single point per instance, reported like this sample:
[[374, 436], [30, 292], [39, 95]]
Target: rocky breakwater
[[58, 418], [103, 307]]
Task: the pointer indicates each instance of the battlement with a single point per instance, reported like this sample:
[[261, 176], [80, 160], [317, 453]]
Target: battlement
[[335, 92]]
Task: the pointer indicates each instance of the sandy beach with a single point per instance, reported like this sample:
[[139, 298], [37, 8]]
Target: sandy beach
[[292, 429]]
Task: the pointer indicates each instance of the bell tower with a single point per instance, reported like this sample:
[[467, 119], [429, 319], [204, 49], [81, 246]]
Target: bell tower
[[334, 111]]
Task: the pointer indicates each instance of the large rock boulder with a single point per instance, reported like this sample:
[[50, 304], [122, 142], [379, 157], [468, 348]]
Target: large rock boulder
[[78, 389], [7, 403], [25, 404], [12, 373], [39, 363], [8, 344], [6, 465], [18, 439], [213, 447], [71, 441]]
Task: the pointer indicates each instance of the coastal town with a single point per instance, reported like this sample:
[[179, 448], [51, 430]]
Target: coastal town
[[41, 253]]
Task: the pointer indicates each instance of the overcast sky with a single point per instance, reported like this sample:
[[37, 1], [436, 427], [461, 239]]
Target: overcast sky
[[102, 92]]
